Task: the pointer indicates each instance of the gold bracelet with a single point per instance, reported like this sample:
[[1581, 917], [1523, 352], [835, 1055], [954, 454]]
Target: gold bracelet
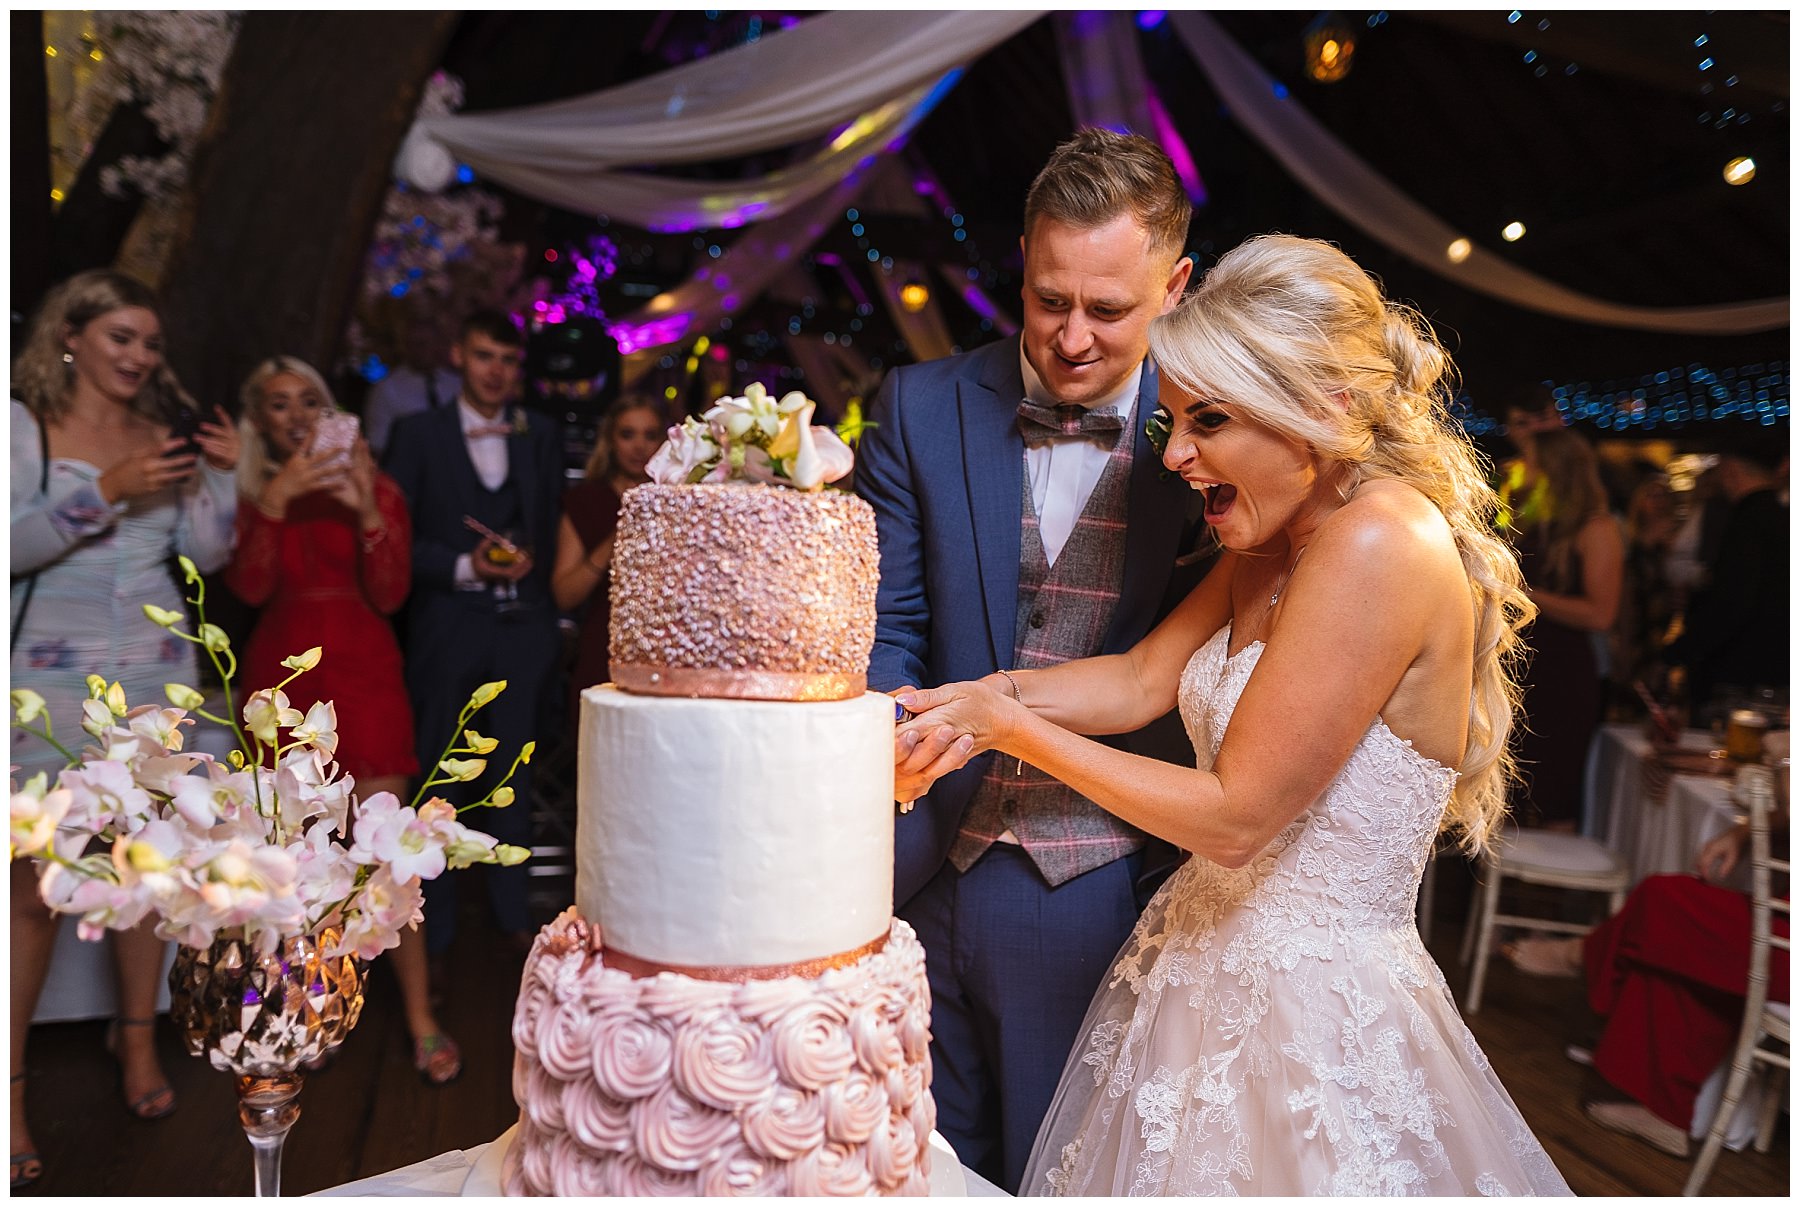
[[1020, 701]]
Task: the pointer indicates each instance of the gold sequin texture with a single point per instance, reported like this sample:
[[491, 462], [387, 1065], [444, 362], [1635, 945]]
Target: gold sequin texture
[[744, 577]]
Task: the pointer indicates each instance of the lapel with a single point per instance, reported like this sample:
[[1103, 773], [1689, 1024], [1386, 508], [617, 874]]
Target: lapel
[[521, 471], [994, 473], [1154, 516], [463, 481]]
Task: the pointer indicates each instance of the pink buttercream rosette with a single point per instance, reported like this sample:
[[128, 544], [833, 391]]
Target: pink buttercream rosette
[[671, 1085]]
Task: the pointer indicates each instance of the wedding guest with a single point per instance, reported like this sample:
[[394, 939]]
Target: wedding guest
[[1275, 1026], [1522, 489], [1573, 557], [1696, 540], [1667, 974], [420, 382], [103, 493], [324, 549], [481, 609], [1023, 521], [1735, 632], [1647, 602], [629, 436]]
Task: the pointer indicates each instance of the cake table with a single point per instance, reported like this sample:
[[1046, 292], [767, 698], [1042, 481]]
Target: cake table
[[474, 1172]]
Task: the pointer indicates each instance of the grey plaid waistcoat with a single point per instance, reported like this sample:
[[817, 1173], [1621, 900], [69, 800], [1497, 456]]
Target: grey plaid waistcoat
[[1064, 611]]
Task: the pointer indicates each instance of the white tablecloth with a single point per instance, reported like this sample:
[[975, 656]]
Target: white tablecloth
[[443, 1176], [1653, 837]]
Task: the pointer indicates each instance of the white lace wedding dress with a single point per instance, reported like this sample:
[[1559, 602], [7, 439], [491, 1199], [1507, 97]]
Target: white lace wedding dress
[[1280, 1029]]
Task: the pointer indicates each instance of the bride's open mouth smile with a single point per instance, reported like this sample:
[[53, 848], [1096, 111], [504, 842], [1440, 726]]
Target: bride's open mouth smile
[[1219, 498]]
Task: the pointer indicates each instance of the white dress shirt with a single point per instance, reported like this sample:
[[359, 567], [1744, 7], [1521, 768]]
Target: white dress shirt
[[488, 454], [1064, 473]]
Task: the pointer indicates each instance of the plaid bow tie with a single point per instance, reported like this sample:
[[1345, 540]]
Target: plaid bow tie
[[1039, 424], [483, 430]]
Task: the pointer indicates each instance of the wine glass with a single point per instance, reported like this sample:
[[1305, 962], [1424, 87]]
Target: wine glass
[[507, 548]]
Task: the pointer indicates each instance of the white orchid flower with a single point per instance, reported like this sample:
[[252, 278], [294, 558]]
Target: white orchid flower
[[27, 705], [36, 812], [319, 729], [267, 712]]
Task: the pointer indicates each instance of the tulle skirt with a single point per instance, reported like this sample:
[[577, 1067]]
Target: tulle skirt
[[1252, 1045]]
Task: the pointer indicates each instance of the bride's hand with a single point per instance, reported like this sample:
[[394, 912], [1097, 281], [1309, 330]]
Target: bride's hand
[[957, 722]]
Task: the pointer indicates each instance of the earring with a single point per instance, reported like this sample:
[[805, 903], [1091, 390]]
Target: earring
[[68, 358]]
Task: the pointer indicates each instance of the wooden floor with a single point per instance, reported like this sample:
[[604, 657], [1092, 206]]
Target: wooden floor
[[370, 1113]]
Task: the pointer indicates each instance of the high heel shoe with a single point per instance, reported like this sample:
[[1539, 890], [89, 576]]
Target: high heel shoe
[[27, 1167], [158, 1103]]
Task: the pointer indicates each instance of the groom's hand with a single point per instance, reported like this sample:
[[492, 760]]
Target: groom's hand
[[925, 750], [925, 755]]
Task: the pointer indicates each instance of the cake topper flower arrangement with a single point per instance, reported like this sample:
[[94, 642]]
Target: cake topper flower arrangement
[[754, 438], [268, 844]]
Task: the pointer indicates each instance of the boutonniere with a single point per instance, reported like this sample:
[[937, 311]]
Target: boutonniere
[[520, 424], [1157, 429]]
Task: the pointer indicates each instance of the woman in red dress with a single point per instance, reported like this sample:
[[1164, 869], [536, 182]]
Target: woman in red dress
[[629, 436], [324, 549]]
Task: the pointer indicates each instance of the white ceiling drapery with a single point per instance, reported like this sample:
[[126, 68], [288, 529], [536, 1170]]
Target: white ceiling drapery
[[872, 74]]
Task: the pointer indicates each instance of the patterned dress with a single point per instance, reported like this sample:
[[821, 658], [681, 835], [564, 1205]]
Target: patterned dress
[[97, 565], [1279, 1029]]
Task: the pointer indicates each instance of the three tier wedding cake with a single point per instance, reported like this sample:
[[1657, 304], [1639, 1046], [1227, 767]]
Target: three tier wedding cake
[[729, 1007]]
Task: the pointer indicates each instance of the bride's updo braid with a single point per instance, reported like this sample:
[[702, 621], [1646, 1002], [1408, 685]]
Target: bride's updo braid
[[1292, 333]]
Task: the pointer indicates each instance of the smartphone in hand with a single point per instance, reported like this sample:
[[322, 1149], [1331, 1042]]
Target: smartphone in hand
[[182, 427], [336, 434]]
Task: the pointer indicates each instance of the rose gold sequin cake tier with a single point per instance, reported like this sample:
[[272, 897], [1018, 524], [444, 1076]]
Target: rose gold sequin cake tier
[[743, 591]]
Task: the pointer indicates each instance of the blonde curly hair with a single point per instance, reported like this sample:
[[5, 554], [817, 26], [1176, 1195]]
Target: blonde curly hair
[[1300, 337], [41, 379]]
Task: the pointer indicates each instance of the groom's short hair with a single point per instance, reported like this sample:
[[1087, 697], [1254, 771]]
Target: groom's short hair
[[1097, 175]]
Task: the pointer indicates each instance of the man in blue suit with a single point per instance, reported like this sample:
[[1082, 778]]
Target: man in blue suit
[[480, 608], [1024, 521]]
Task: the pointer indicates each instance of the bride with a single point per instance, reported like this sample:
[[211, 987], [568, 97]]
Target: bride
[[1274, 1025]]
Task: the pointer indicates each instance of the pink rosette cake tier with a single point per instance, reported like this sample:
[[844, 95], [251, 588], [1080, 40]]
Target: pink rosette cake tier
[[743, 591], [635, 1084]]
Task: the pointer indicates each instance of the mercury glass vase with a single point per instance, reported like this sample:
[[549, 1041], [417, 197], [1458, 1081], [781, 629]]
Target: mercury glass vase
[[261, 1018]]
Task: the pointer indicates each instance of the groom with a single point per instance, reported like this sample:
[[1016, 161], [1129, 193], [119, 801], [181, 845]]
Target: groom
[[1023, 522]]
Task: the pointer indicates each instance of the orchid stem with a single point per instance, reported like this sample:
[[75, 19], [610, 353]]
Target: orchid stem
[[463, 718], [44, 733]]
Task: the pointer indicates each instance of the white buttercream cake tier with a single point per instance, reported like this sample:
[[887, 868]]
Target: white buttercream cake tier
[[735, 832]]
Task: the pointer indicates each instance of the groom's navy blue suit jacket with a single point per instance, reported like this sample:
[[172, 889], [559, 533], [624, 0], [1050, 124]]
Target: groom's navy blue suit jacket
[[944, 470]]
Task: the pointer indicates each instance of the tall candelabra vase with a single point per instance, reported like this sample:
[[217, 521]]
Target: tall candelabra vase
[[261, 1018]]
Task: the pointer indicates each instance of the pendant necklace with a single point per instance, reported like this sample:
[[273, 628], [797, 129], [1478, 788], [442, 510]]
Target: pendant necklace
[[1282, 585]]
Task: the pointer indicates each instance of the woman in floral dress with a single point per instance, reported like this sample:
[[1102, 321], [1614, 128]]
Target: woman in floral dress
[[103, 493]]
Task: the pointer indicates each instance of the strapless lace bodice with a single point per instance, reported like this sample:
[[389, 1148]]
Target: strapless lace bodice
[[1361, 848], [1279, 1029]]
